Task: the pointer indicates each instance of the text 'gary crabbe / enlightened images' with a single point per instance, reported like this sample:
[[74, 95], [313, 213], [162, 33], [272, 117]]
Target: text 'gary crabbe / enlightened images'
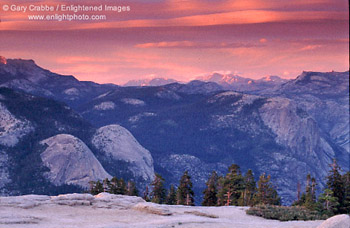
[[65, 8], [66, 12]]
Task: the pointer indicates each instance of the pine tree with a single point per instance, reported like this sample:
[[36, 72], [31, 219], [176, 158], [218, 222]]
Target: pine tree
[[146, 194], [121, 187], [114, 185], [335, 183], [171, 197], [309, 200], [266, 193], [250, 188], [184, 193], [231, 186], [220, 192], [346, 202], [131, 189], [98, 187], [92, 189], [298, 192], [210, 198], [330, 203], [106, 185], [158, 193]]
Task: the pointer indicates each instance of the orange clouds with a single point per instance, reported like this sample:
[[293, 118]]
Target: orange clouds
[[263, 40], [173, 13], [190, 44], [310, 47], [230, 18], [166, 44], [80, 59]]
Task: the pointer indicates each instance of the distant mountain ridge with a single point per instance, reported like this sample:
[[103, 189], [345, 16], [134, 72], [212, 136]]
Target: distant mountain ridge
[[238, 83], [25, 75], [226, 81], [284, 128]]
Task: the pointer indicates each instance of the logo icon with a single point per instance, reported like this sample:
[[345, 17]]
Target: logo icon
[[5, 7]]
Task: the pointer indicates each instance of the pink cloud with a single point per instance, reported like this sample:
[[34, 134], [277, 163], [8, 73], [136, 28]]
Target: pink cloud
[[80, 59], [263, 40], [212, 19], [190, 44], [310, 47]]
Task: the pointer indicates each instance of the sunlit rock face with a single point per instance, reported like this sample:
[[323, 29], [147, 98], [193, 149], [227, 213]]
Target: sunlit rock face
[[117, 143], [3, 60], [70, 161]]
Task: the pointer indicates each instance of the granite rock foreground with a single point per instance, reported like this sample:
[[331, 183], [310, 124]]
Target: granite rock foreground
[[338, 221], [119, 211]]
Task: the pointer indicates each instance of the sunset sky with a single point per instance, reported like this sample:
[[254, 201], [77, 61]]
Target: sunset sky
[[182, 39]]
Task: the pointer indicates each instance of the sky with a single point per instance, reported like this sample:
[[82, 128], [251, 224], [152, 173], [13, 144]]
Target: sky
[[179, 39]]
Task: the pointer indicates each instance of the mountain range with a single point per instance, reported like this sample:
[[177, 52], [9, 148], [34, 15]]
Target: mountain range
[[226, 81], [54, 127]]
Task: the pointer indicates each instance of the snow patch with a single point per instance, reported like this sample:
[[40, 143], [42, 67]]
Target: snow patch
[[102, 95], [71, 92], [133, 101], [107, 105], [137, 117], [228, 93]]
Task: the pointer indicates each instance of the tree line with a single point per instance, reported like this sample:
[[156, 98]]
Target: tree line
[[335, 198], [237, 189], [231, 189]]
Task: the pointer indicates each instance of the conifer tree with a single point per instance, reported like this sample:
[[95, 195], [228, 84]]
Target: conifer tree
[[146, 194], [266, 193], [106, 185], [131, 189], [171, 197], [309, 199], [335, 183], [210, 198], [158, 193], [346, 202], [298, 192], [231, 186], [220, 192], [121, 187], [92, 189], [98, 187], [184, 193], [249, 190], [330, 203], [114, 185]]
